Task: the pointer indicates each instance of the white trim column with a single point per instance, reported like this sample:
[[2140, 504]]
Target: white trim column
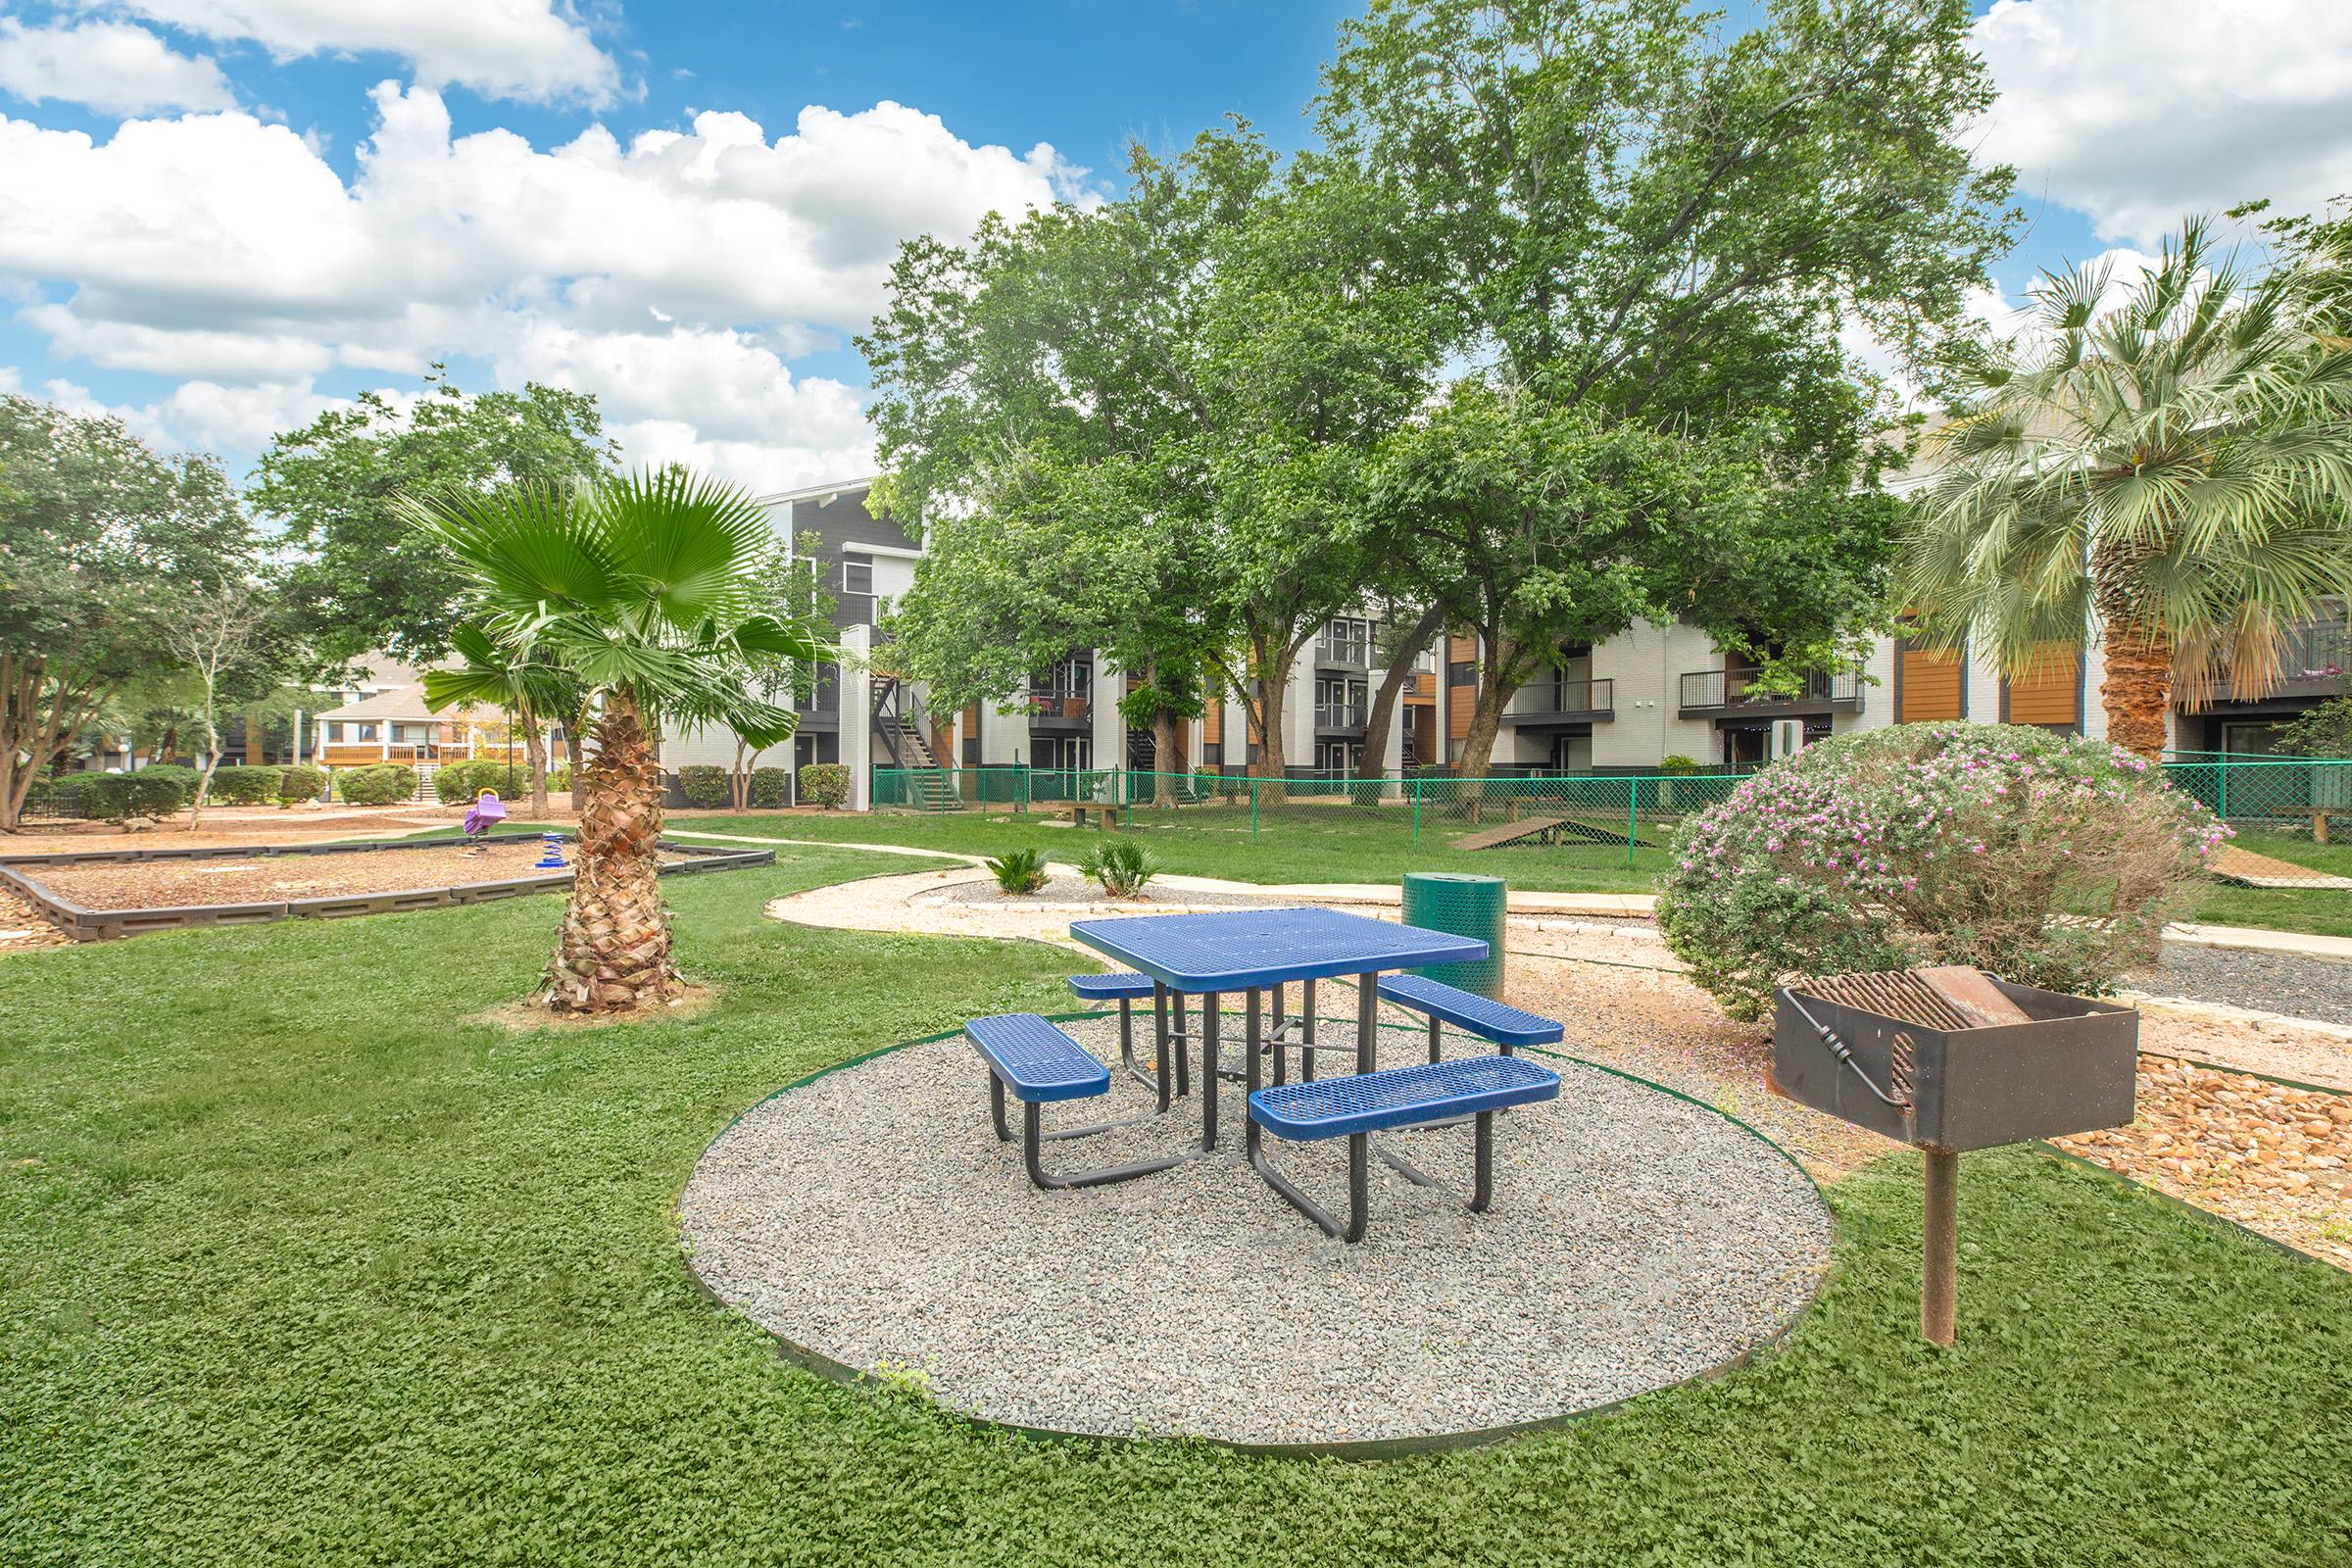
[[857, 698]]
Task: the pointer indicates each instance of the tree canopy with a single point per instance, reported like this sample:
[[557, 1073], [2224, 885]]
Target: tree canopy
[[102, 543], [366, 579]]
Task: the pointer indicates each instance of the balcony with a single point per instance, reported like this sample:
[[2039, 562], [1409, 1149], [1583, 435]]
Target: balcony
[[1341, 719], [1059, 713], [1563, 702], [1709, 692], [2314, 659]]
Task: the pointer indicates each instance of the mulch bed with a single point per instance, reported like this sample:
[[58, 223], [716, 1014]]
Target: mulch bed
[[24, 926], [2273, 1158], [171, 884]]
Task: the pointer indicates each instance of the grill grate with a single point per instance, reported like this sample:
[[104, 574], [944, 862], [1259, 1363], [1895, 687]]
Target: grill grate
[[1896, 993]]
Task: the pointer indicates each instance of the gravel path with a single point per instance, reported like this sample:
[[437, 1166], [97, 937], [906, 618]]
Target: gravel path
[[1635, 1240], [2272, 982]]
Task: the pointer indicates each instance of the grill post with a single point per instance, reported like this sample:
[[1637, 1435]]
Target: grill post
[[1939, 1258]]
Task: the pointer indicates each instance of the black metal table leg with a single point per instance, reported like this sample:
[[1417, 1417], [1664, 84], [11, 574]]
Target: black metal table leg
[[1307, 1031], [1482, 1163], [1433, 1039], [1367, 1023], [1211, 1006], [1184, 1056], [1032, 1139]]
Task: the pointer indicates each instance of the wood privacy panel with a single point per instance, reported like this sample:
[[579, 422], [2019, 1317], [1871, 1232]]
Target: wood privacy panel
[[2049, 691], [1932, 686]]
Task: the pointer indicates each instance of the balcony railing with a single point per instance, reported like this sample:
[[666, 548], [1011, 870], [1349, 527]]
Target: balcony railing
[[1056, 708], [1341, 715], [1564, 700], [1705, 690]]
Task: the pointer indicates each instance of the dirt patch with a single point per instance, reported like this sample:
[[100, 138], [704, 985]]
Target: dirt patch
[[522, 1017], [269, 879]]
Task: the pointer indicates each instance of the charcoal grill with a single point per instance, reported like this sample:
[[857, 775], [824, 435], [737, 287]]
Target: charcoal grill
[[1948, 1060]]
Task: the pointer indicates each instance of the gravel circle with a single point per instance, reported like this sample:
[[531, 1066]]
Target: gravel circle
[[1077, 892], [1636, 1240], [2234, 977]]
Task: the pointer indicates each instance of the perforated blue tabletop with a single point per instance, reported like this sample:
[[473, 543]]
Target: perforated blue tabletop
[[1242, 949]]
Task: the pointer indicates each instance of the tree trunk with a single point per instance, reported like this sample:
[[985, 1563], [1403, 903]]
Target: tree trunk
[[1271, 677], [1497, 684], [2138, 691], [1163, 752], [738, 778], [252, 741], [1391, 688], [534, 758], [614, 952]]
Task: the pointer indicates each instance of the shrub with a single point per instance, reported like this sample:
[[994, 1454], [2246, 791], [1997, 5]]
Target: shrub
[[2048, 860], [244, 786], [1122, 866], [825, 784], [296, 784], [703, 785], [119, 796], [381, 784], [559, 778], [2324, 731], [769, 787], [1677, 764], [456, 783], [184, 777], [1015, 871]]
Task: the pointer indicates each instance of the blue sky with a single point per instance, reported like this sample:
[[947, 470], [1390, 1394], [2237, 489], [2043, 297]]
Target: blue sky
[[218, 217]]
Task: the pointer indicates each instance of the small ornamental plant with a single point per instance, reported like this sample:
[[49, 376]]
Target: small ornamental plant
[[1123, 866], [2048, 860], [1020, 871]]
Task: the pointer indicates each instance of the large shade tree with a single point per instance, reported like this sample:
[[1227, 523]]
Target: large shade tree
[[102, 545], [1145, 427], [641, 598], [2177, 464], [1649, 229]]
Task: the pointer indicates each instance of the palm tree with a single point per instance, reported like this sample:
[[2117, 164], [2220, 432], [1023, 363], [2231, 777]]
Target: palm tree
[[638, 599], [2178, 464]]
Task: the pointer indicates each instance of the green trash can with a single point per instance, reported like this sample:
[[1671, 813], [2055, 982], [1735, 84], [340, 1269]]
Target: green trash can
[[1462, 905]]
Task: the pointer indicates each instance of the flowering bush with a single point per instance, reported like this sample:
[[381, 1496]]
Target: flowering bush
[[2047, 859]]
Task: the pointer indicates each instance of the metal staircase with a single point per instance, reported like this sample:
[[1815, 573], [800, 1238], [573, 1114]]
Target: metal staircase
[[930, 787]]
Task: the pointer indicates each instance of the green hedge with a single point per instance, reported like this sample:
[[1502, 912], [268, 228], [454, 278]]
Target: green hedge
[[704, 786], [825, 784], [244, 786], [383, 784], [296, 784], [769, 787], [457, 783], [118, 797]]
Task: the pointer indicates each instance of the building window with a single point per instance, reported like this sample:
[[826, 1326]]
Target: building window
[[856, 575], [1463, 672], [1340, 703], [1339, 759], [367, 732], [1345, 641]]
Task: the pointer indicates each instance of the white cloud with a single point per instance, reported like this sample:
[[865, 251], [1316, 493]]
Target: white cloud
[[534, 49], [673, 277], [112, 67], [2142, 112]]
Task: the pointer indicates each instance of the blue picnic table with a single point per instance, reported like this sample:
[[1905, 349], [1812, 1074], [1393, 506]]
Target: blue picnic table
[[1254, 951]]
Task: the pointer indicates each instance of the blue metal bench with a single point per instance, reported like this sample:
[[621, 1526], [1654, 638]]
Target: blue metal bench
[[1508, 1027], [1356, 1106], [1040, 1063]]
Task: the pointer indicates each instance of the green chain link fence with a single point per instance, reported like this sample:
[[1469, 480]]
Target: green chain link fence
[[2294, 815]]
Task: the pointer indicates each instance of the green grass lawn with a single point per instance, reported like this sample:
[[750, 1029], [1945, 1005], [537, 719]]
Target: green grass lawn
[[1329, 844], [1300, 844], [297, 1265], [2327, 913]]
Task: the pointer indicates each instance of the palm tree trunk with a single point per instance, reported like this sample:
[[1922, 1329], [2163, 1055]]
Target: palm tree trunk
[[534, 758], [613, 952], [2137, 694]]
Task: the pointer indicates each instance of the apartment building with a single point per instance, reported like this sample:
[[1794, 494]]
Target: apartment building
[[1622, 705]]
